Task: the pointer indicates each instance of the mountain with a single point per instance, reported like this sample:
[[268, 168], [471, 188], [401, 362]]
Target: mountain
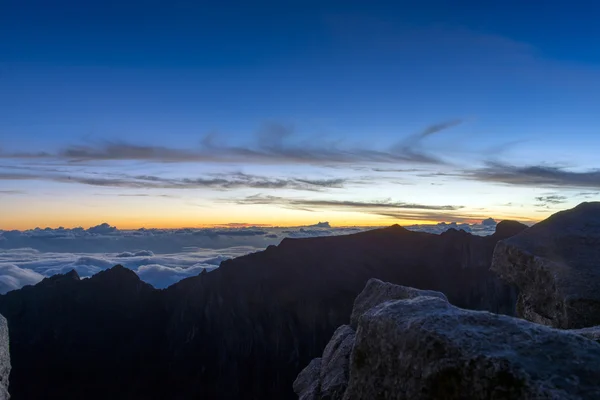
[[242, 331], [555, 266]]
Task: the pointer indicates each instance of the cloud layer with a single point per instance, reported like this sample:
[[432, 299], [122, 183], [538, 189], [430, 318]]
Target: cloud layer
[[160, 257]]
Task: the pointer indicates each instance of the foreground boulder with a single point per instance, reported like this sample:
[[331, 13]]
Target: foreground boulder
[[327, 377], [556, 266], [4, 359], [425, 348], [377, 292]]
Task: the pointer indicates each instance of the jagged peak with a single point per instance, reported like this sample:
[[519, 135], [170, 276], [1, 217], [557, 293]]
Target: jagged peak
[[118, 272], [454, 232], [70, 276]]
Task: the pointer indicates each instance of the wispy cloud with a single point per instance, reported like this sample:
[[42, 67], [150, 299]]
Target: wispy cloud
[[274, 145], [10, 192], [214, 181], [550, 200], [536, 176], [387, 207], [383, 204]]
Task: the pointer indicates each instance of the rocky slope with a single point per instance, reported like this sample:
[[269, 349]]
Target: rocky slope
[[411, 345], [556, 266], [243, 331]]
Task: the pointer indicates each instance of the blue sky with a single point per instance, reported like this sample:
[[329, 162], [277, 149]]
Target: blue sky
[[187, 113]]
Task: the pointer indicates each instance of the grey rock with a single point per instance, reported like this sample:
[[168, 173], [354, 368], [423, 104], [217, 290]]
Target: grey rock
[[331, 382], [4, 359], [556, 266], [592, 332], [335, 364], [377, 292], [307, 384], [425, 348]]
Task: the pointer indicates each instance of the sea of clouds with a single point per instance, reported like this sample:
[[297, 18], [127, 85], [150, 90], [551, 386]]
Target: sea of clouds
[[160, 257]]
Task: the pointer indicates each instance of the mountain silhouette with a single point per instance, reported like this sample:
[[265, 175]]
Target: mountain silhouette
[[242, 331]]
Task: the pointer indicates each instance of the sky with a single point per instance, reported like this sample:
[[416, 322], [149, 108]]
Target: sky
[[195, 114]]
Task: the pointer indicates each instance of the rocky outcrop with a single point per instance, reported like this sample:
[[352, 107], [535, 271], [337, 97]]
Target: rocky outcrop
[[377, 292], [4, 359], [243, 331], [556, 266], [308, 383], [423, 348], [331, 380], [327, 377]]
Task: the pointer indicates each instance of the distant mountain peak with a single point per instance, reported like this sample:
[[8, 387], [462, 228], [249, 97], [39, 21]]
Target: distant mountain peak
[[117, 273], [70, 276], [320, 225]]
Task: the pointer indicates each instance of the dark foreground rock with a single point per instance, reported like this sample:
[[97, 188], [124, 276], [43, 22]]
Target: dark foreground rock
[[243, 331], [4, 359], [377, 292], [327, 377], [425, 348], [556, 265]]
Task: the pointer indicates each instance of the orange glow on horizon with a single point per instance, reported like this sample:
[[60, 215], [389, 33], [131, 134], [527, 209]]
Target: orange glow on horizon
[[172, 223]]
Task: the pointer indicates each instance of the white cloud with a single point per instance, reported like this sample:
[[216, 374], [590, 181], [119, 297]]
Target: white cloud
[[13, 277], [160, 257], [160, 276]]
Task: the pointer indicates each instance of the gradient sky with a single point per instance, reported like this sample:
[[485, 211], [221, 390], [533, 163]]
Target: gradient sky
[[180, 113]]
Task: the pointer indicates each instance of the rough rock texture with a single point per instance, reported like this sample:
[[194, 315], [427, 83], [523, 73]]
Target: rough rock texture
[[4, 359], [556, 265], [592, 333], [307, 383], [425, 348], [376, 292], [243, 331], [335, 363], [327, 377], [332, 380]]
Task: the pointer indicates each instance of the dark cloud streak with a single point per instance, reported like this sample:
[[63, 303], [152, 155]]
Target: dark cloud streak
[[386, 208], [212, 181], [272, 147], [535, 176]]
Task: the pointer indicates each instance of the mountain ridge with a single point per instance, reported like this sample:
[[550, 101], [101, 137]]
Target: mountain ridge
[[244, 330]]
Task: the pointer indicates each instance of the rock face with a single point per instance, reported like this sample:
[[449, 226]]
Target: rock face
[[556, 265], [423, 348], [590, 333], [243, 331], [307, 384], [377, 292], [327, 378], [4, 359]]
